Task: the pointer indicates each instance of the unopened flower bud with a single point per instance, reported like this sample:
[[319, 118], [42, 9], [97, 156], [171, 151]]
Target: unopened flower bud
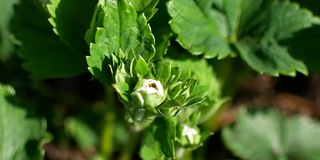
[[190, 136], [149, 94]]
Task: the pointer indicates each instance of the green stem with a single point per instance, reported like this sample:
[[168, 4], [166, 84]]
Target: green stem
[[131, 146], [108, 128], [183, 154]]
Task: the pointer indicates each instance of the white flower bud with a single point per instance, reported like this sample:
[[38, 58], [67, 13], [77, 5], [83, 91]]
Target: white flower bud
[[150, 94], [192, 134]]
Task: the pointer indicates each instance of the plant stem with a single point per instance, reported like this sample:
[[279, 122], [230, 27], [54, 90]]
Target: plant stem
[[183, 154], [108, 128], [131, 146]]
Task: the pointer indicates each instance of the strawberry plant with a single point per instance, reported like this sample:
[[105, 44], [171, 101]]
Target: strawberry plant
[[122, 79]]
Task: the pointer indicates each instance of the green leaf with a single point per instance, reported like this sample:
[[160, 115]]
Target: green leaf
[[165, 133], [199, 28], [301, 139], [255, 27], [242, 15], [305, 46], [96, 22], [162, 42], [122, 88], [202, 72], [170, 108], [146, 7], [70, 20], [147, 153], [122, 28], [268, 135], [312, 5], [145, 47], [175, 75], [269, 57], [44, 54], [284, 19], [6, 12], [163, 72], [84, 135], [161, 30], [175, 91], [141, 67], [117, 28], [150, 149], [159, 138], [121, 74], [253, 140], [98, 67], [21, 133]]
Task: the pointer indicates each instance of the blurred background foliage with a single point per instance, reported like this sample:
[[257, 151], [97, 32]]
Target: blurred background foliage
[[73, 116]]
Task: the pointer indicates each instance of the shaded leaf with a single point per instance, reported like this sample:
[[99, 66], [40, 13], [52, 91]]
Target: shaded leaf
[[162, 42], [242, 15], [6, 13], [284, 19], [305, 46], [70, 20], [161, 29], [269, 57], [44, 54]]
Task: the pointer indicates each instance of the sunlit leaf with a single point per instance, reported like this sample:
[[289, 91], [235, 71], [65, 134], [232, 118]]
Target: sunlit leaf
[[21, 133], [205, 33], [141, 67], [255, 27], [118, 27], [146, 7]]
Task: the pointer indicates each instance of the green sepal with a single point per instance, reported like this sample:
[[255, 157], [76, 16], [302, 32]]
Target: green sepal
[[141, 67], [163, 72], [170, 108], [122, 89], [175, 75]]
